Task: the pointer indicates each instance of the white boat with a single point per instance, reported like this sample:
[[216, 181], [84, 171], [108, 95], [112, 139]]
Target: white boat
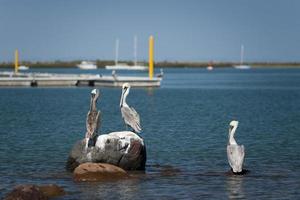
[[209, 68], [124, 66], [23, 67], [87, 65], [241, 65]]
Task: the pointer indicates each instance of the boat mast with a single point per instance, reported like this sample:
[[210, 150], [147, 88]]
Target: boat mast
[[135, 50], [117, 51], [16, 61], [242, 54]]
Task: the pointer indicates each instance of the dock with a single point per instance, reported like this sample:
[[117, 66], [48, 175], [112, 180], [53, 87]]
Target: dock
[[11, 79]]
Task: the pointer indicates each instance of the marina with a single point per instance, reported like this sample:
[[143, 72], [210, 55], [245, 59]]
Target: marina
[[17, 79]]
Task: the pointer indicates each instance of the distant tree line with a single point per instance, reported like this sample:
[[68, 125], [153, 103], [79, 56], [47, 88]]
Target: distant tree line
[[161, 64]]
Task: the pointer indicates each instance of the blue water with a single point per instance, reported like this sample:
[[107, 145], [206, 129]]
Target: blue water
[[185, 127]]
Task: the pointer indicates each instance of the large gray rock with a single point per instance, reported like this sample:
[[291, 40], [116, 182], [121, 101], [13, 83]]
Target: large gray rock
[[124, 149]]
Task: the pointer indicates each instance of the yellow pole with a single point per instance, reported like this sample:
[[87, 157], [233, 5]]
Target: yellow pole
[[16, 60], [151, 48]]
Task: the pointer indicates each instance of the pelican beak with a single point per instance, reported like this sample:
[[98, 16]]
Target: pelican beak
[[230, 128], [124, 89], [122, 97], [94, 93]]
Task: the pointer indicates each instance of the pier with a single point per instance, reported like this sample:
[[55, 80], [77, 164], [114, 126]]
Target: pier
[[11, 79]]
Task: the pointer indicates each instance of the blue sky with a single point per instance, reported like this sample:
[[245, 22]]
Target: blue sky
[[184, 30]]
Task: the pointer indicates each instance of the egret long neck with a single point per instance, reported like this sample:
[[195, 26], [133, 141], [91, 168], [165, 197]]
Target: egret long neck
[[231, 136]]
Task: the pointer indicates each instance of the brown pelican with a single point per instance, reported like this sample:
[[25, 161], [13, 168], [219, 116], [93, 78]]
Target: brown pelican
[[114, 74], [92, 118], [130, 116], [235, 152]]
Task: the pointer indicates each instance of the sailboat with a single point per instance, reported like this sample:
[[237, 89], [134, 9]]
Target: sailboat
[[241, 65], [124, 66], [136, 66]]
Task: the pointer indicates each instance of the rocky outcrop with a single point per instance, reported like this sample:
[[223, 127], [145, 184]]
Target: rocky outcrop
[[98, 172], [26, 192], [124, 149], [34, 192]]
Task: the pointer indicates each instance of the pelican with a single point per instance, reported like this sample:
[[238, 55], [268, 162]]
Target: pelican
[[114, 74], [235, 152], [92, 118], [130, 116], [161, 74]]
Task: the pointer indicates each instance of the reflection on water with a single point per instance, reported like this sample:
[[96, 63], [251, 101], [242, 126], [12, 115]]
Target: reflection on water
[[234, 187], [122, 189], [150, 91]]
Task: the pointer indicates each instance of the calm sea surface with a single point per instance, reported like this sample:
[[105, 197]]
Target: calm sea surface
[[185, 127]]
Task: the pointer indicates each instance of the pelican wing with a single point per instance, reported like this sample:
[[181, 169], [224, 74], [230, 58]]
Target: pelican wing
[[235, 155], [92, 123], [98, 120], [132, 118]]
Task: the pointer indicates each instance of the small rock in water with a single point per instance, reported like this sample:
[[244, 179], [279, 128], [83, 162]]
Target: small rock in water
[[52, 190], [98, 172], [124, 149], [26, 192], [34, 192]]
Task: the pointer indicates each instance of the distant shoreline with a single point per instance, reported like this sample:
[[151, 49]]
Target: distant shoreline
[[163, 64]]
